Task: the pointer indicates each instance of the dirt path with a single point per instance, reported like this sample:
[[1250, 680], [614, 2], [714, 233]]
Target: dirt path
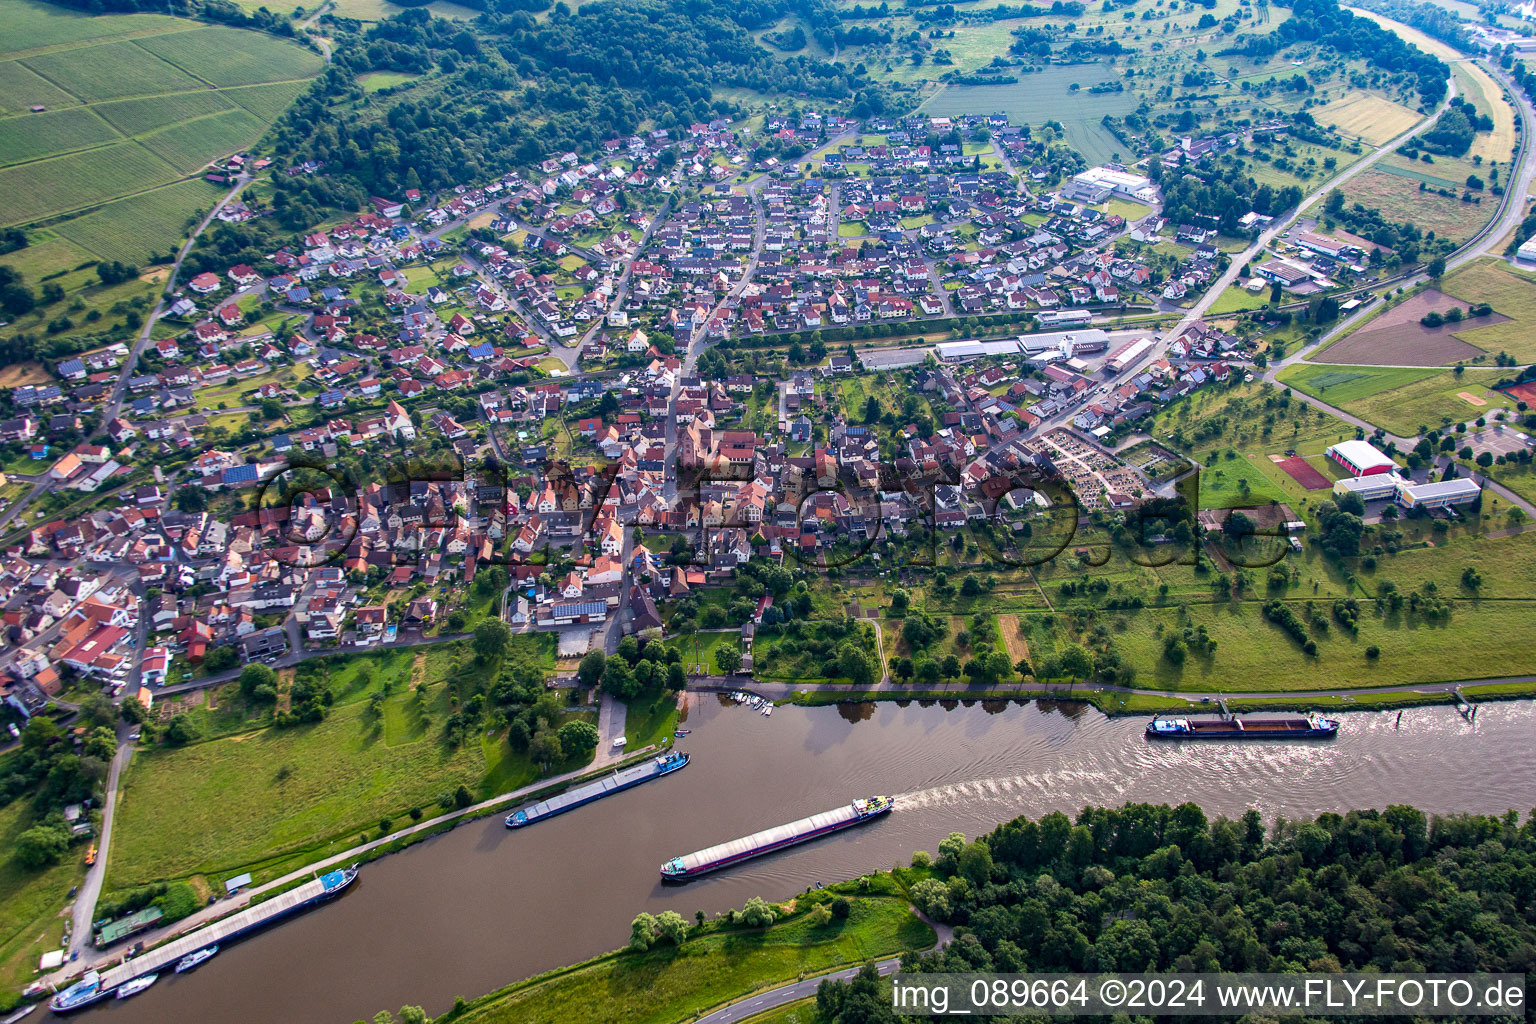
[[419, 670]]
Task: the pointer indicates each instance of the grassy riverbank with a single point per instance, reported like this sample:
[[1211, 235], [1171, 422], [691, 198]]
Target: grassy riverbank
[[275, 798], [718, 963], [30, 901], [1112, 702]]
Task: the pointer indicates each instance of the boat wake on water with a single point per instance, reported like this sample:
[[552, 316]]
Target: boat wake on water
[[1000, 787]]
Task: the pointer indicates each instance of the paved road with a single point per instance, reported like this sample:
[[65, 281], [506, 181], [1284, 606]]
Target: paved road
[[85, 900], [790, 993], [806, 988], [1240, 260], [115, 402]]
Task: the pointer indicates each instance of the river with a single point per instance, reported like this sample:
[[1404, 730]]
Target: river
[[480, 907]]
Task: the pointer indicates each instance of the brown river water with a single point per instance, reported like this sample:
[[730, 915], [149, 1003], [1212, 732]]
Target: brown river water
[[482, 906]]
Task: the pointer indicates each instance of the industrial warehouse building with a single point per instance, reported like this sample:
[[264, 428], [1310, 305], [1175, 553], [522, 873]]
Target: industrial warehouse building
[[1064, 343], [1361, 458]]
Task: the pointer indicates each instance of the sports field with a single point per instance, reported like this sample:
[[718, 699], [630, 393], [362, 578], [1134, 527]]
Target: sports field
[[131, 104], [1341, 384], [1402, 401]]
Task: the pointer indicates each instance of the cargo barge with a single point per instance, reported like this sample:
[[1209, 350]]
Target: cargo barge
[[1312, 727], [104, 981], [606, 786], [781, 836]]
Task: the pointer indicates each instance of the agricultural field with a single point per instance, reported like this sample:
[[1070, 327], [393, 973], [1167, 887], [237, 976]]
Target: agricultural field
[[61, 184], [1476, 85], [1511, 294], [56, 131], [377, 10], [130, 230], [1043, 96], [186, 146], [1395, 192], [1402, 401], [134, 103], [226, 57], [1368, 116], [109, 71], [1397, 338]]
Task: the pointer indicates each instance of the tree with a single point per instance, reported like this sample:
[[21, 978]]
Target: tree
[[220, 659], [40, 846], [671, 927], [855, 665], [491, 639], [190, 499], [577, 739], [181, 731], [414, 1015], [619, 680], [757, 913], [820, 916], [545, 747], [590, 672], [677, 679], [256, 675], [642, 932], [949, 850], [728, 659], [97, 711], [975, 863]]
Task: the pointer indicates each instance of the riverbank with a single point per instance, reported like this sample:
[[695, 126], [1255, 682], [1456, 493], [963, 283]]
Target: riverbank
[[950, 768], [1116, 701], [719, 963], [364, 853]]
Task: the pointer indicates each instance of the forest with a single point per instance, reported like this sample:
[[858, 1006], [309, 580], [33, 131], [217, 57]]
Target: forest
[[1324, 21], [1158, 888], [514, 89]]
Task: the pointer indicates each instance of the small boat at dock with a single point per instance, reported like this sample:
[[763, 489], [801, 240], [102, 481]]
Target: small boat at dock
[[191, 960], [137, 985], [82, 993]]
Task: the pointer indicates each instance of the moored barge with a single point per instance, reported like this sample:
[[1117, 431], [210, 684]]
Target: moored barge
[[655, 768], [97, 984]]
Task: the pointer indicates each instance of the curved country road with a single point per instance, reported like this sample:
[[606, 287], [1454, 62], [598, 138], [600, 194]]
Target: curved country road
[[795, 991]]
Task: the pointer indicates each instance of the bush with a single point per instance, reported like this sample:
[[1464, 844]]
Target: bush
[[1373, 652], [179, 901], [841, 908]]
